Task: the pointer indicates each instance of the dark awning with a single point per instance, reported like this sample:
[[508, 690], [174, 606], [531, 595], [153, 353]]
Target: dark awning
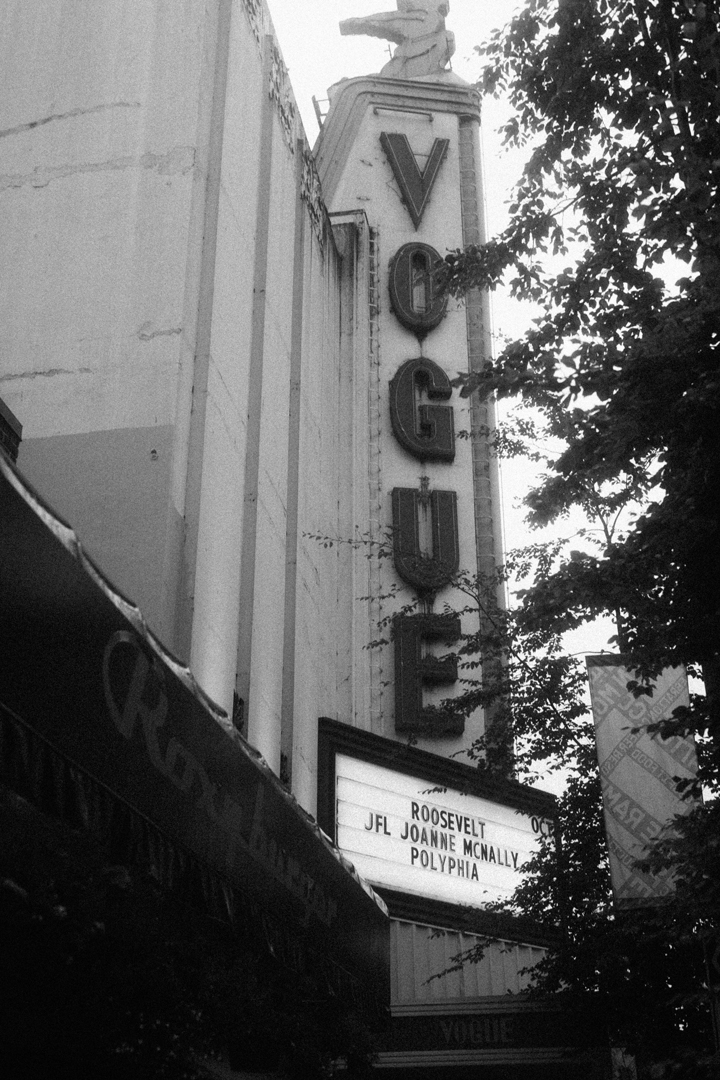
[[99, 720]]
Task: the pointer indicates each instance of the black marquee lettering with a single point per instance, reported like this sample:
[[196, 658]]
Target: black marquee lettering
[[425, 573], [425, 431], [415, 300], [412, 669]]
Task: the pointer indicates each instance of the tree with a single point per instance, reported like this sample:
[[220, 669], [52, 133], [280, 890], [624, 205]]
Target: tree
[[636, 975], [618, 102]]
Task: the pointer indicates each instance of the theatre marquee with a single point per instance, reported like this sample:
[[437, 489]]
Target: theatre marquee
[[412, 825]]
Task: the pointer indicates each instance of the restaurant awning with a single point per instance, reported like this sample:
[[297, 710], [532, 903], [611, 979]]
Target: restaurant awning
[[102, 727]]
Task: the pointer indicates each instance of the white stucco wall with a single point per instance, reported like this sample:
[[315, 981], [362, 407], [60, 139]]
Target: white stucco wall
[[104, 122]]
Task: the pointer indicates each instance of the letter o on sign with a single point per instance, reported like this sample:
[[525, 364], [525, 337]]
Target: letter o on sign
[[412, 288]]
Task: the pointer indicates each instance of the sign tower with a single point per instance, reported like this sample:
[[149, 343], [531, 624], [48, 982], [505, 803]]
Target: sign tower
[[403, 148]]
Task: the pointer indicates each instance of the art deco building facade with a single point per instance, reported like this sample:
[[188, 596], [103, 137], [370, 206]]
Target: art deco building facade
[[233, 375]]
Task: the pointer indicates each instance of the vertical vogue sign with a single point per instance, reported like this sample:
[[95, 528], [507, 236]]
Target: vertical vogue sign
[[401, 832], [425, 523], [638, 771]]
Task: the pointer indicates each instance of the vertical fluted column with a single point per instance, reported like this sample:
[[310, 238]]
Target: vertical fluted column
[[479, 339], [486, 487]]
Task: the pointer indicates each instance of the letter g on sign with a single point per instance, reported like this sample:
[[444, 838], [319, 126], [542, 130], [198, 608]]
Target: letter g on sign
[[425, 431]]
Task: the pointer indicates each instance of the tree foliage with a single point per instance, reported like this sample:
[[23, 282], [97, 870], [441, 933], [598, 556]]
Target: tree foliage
[[615, 234], [636, 976], [619, 102]]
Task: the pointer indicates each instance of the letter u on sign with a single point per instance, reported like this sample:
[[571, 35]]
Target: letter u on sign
[[426, 573]]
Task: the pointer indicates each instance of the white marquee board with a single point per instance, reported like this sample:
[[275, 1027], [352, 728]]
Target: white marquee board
[[402, 833]]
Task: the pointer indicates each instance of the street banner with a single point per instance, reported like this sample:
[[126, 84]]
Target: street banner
[[638, 771]]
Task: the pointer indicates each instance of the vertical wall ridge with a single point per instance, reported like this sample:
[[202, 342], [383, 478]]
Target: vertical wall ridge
[[479, 353], [293, 475], [255, 389], [190, 434], [375, 418]]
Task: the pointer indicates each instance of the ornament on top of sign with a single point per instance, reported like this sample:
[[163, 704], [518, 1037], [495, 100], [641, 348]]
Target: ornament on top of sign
[[424, 46]]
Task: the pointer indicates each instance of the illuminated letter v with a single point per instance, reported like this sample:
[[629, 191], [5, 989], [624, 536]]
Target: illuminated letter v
[[415, 186]]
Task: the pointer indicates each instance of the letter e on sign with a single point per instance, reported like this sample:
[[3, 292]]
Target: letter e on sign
[[412, 670]]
